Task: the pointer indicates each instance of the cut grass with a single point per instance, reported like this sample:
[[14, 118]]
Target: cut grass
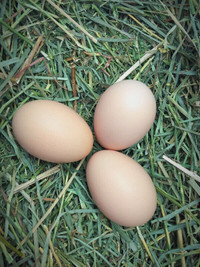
[[46, 219]]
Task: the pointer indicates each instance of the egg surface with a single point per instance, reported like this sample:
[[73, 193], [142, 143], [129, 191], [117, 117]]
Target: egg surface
[[52, 131], [124, 114], [121, 188]]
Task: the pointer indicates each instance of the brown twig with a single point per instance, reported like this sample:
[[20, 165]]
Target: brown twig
[[16, 79], [48, 199], [35, 62]]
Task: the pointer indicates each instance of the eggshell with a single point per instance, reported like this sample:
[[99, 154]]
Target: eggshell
[[124, 114], [52, 131], [121, 188]]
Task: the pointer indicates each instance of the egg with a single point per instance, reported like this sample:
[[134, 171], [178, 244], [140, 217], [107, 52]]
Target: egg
[[124, 114], [121, 188], [52, 131]]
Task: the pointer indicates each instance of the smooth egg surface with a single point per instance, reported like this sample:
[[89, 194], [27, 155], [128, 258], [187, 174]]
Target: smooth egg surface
[[121, 188], [124, 114], [52, 131]]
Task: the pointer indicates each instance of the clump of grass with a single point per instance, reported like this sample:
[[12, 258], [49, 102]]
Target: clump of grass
[[46, 219]]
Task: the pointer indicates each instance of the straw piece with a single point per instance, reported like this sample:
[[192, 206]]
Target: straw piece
[[52, 248], [73, 21], [38, 178], [147, 55], [145, 28], [145, 244], [58, 24], [180, 167], [180, 240], [178, 24], [58, 198]]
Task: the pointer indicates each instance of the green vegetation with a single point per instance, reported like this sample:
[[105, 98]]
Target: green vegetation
[[111, 36]]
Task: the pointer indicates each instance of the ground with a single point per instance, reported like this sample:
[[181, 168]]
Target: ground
[[71, 52]]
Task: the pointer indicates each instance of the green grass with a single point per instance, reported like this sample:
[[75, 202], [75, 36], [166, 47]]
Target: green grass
[[75, 233]]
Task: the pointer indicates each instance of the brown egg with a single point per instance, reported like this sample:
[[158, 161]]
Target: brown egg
[[52, 131], [124, 114], [121, 188]]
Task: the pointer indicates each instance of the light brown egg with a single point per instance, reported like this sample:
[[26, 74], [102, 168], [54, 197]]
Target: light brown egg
[[124, 114], [121, 188], [52, 131]]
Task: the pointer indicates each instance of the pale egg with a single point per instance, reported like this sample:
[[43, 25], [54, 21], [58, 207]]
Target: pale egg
[[52, 131], [121, 188], [124, 114]]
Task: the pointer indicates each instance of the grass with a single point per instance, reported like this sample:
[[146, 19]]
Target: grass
[[47, 217]]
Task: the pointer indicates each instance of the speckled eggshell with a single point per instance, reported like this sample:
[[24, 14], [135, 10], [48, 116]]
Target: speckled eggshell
[[124, 114], [121, 188], [52, 131]]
